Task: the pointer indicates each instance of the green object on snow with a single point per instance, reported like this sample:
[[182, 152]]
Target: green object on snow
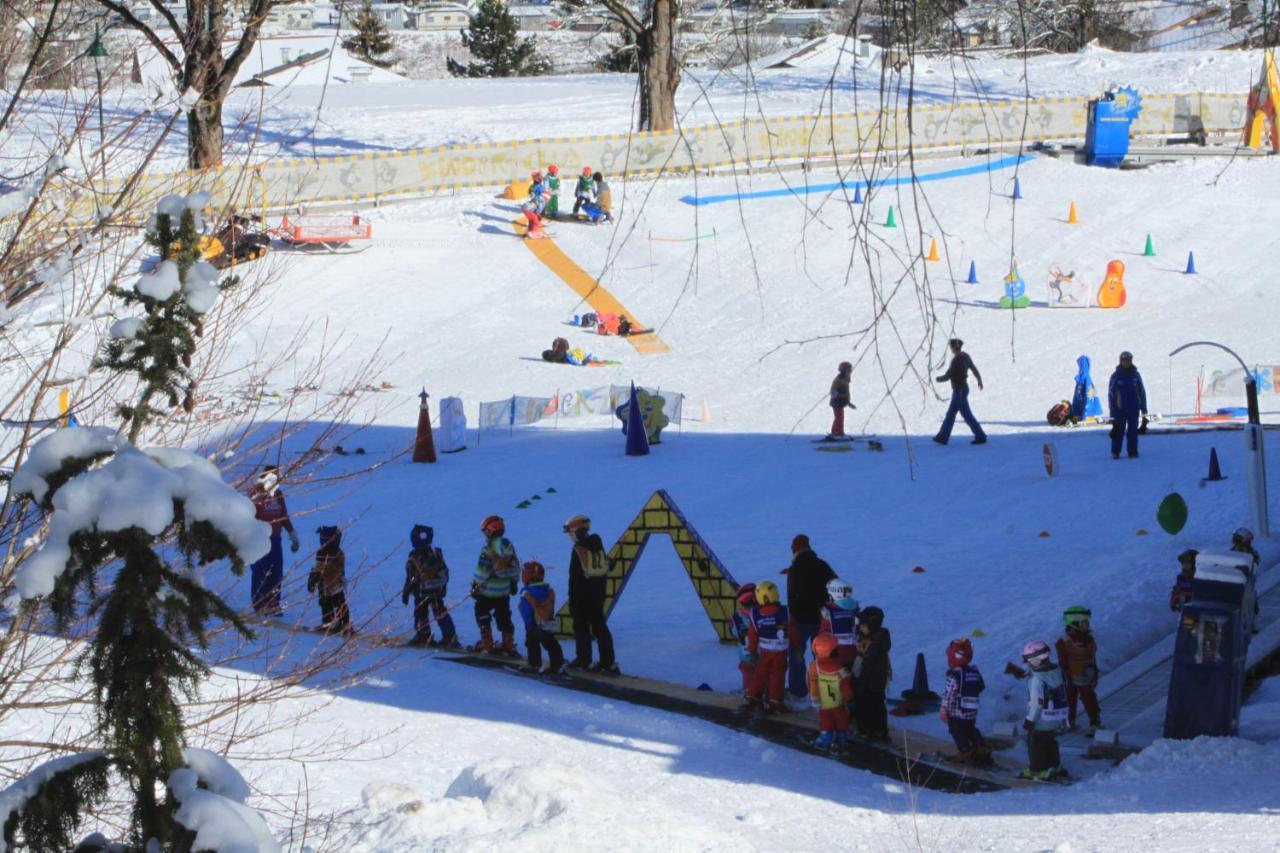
[[551, 490], [1172, 514], [523, 505], [536, 498], [890, 222], [1150, 251]]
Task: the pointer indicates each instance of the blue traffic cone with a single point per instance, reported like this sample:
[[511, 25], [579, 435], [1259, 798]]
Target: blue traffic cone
[[857, 193], [1191, 263], [637, 438], [1215, 473], [973, 273], [1017, 188]]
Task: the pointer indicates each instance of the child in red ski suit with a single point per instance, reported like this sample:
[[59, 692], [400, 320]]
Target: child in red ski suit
[[831, 686], [769, 641], [1078, 660]]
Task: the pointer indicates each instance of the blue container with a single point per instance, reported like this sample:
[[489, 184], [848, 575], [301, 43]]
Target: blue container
[[1106, 140]]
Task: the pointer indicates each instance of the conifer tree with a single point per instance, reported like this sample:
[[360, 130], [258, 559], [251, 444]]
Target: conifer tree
[[493, 37], [129, 531], [371, 41]]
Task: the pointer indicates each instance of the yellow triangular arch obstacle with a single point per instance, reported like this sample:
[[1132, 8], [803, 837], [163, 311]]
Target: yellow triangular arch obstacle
[[716, 588]]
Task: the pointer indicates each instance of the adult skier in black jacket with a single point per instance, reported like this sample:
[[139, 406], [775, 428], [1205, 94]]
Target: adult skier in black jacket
[[806, 594], [588, 570]]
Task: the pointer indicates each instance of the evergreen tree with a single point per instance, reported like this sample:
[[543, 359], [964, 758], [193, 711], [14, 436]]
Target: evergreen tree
[[493, 38], [145, 520], [371, 40]]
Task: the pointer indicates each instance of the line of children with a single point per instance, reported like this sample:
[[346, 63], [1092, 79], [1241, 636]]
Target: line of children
[[538, 612]]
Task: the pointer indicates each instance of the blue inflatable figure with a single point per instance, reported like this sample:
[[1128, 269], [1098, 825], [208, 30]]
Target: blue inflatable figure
[[1085, 402], [1015, 289]]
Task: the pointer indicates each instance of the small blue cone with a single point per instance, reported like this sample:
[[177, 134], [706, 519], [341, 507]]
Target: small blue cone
[[973, 273], [1017, 188], [1215, 473], [637, 438], [1191, 263], [857, 193]]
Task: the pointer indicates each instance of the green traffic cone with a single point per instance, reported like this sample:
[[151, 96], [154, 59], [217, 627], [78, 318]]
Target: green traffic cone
[[1150, 251], [890, 222]]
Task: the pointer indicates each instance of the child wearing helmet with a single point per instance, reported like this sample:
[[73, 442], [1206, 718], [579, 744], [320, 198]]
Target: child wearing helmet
[[267, 574], [1078, 657], [839, 618], [871, 673], [583, 190], [746, 600], [769, 640], [840, 398], [552, 208], [426, 579], [831, 687], [588, 592], [1242, 543], [1046, 712], [497, 571], [535, 208], [1182, 590], [329, 579], [538, 611], [960, 704]]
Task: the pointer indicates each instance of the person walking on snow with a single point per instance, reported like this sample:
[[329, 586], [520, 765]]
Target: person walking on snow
[[329, 579], [497, 571], [1078, 658], [958, 375], [807, 579], [1127, 399], [588, 589], [767, 643], [583, 190], [538, 612], [267, 574], [426, 579], [960, 704], [1046, 712], [831, 689], [840, 399], [871, 674]]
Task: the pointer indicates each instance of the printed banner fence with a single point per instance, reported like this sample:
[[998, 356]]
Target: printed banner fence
[[1230, 383], [521, 411], [963, 126]]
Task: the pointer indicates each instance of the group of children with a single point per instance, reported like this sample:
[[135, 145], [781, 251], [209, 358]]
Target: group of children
[[849, 672], [592, 199], [1183, 585]]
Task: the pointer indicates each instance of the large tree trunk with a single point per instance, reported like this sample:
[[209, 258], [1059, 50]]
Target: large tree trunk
[[660, 74], [204, 134]]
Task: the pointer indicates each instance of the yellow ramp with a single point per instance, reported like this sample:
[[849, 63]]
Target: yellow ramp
[[601, 300]]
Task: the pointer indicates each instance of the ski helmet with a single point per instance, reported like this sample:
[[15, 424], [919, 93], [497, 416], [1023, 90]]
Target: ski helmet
[[825, 646], [421, 535], [959, 652], [845, 367], [766, 593], [578, 522], [1077, 616], [269, 479], [1187, 559], [1035, 652], [532, 572], [838, 590], [872, 617], [492, 526], [553, 170], [537, 177], [329, 535], [956, 343], [586, 171], [1242, 536], [747, 595]]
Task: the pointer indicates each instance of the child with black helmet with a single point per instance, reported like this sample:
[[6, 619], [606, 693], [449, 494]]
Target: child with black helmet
[[329, 579], [871, 673], [426, 580]]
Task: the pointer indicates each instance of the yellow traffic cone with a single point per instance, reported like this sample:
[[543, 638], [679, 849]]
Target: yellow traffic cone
[[1072, 219], [933, 251]]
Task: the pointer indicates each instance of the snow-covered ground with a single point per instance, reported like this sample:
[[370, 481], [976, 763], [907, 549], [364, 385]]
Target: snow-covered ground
[[757, 318]]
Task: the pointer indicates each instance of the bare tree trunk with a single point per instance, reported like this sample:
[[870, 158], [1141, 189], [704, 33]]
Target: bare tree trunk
[[660, 73], [204, 134]]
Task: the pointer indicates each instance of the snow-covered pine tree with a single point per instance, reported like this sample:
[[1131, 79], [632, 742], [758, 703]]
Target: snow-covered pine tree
[[371, 40], [493, 37], [129, 530]]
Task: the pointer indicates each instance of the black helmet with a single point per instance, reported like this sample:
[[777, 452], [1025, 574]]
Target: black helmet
[[421, 536], [329, 535], [872, 617], [955, 342]]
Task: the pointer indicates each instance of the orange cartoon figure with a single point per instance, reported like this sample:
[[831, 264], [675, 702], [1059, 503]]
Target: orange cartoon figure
[[1111, 294]]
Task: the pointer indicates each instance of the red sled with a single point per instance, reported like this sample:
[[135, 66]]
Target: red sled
[[332, 233]]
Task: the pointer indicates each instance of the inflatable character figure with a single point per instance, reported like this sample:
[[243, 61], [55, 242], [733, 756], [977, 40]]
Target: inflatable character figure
[[1015, 289], [651, 407], [1111, 294]]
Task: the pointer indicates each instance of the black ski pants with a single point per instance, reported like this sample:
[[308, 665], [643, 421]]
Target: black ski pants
[[586, 606]]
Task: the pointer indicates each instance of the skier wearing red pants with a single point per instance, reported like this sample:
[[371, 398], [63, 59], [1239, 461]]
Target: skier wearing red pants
[[831, 686], [742, 630], [767, 639], [840, 399], [1078, 659]]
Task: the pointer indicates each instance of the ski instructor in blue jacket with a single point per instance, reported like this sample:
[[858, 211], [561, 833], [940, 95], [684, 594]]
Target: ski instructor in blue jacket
[[1127, 400]]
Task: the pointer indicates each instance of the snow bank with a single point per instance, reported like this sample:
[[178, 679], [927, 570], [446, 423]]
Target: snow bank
[[14, 798], [216, 813], [134, 488], [530, 807], [1260, 716]]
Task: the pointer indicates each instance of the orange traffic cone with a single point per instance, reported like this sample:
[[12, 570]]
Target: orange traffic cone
[[424, 445], [1072, 219], [933, 251]]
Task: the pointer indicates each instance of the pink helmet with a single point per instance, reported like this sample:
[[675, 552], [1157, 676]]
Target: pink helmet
[[1035, 652]]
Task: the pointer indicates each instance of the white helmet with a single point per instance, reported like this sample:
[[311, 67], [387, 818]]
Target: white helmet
[[838, 590], [269, 480]]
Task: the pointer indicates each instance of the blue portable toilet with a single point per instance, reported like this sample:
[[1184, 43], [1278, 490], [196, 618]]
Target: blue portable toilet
[[1106, 140], [1207, 682]]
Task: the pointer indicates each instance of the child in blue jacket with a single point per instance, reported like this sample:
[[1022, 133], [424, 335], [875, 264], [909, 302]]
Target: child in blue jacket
[[538, 610]]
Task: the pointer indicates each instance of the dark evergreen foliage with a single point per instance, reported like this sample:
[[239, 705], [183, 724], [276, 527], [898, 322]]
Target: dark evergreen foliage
[[493, 37]]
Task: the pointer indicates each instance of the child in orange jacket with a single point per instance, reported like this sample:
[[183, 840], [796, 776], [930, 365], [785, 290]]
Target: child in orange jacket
[[831, 686]]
